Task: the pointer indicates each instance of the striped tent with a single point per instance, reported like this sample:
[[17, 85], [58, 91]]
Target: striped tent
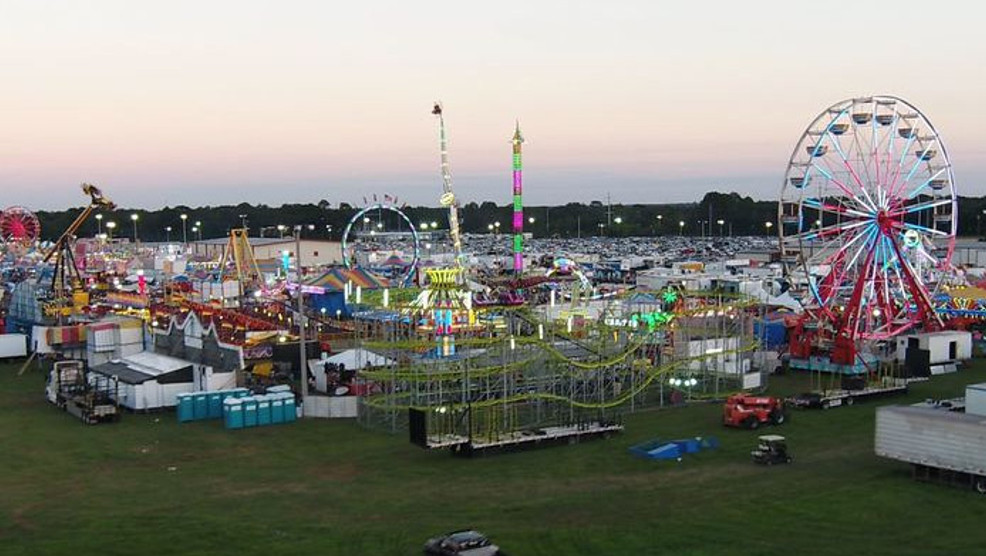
[[335, 279]]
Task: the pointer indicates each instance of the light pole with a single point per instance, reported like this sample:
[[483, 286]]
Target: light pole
[[490, 228], [167, 231], [660, 217], [496, 225], [99, 224], [280, 229], [301, 315], [601, 226], [198, 224], [110, 226], [243, 221], [184, 236], [194, 230], [681, 227], [134, 217], [720, 222], [768, 224], [979, 232]]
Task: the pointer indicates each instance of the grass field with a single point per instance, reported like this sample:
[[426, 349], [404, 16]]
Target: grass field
[[151, 486]]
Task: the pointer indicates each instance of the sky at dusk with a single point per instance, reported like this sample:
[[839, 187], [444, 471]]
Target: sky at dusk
[[222, 102]]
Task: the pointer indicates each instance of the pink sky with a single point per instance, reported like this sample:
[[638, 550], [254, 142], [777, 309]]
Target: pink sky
[[225, 102]]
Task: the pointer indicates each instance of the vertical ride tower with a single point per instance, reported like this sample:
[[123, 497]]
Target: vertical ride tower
[[448, 197], [517, 141]]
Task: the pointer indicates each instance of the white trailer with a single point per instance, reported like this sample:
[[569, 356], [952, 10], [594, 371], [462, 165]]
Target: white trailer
[[13, 345], [947, 346], [943, 446]]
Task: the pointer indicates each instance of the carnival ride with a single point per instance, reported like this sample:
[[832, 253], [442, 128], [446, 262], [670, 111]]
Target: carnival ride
[[867, 222], [66, 276], [19, 227], [474, 377], [448, 196], [361, 217], [518, 223], [239, 263]]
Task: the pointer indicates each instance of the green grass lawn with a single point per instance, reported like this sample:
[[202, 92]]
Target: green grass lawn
[[148, 485]]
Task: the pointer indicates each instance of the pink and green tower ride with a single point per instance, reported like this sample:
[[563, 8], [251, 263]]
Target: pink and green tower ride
[[517, 141]]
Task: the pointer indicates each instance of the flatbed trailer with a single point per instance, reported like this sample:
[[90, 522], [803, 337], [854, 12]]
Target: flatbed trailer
[[825, 399], [90, 398]]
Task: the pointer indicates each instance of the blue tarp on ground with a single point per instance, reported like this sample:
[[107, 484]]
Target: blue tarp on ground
[[673, 449]]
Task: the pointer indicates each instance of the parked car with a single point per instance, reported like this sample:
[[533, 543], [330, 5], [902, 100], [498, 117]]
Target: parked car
[[462, 543]]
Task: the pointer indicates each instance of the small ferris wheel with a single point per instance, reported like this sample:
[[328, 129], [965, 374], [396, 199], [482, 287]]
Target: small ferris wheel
[[19, 225]]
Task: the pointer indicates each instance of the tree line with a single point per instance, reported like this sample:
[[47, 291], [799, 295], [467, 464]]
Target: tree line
[[716, 214]]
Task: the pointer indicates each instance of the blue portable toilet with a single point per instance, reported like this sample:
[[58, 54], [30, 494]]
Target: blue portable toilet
[[290, 408], [242, 392], [276, 408], [215, 398], [200, 400], [263, 410], [280, 388], [249, 411], [223, 394], [186, 411], [233, 413]]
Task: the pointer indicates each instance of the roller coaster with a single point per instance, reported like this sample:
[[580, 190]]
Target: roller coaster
[[522, 374]]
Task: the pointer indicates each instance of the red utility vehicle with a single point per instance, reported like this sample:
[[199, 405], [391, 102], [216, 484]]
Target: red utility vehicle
[[743, 410]]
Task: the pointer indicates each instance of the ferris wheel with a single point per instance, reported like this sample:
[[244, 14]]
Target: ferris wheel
[[867, 217], [19, 225]]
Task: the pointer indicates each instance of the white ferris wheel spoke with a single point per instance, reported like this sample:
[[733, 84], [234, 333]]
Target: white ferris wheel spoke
[[852, 171], [926, 182]]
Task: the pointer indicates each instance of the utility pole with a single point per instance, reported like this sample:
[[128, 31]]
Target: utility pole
[[301, 317], [609, 211]]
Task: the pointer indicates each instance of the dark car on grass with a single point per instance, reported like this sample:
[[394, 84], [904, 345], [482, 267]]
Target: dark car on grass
[[462, 543]]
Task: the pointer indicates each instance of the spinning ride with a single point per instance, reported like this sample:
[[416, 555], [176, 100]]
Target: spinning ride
[[867, 220]]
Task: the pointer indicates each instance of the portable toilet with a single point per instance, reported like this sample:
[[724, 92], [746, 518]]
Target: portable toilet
[[201, 403], [186, 411], [249, 411], [215, 400], [233, 413], [276, 408], [263, 410], [241, 392], [279, 389], [290, 409]]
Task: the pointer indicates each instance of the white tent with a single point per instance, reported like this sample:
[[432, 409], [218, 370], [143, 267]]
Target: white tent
[[359, 358], [353, 359]]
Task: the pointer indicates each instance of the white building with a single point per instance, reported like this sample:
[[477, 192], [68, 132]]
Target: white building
[[149, 381], [314, 252]]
